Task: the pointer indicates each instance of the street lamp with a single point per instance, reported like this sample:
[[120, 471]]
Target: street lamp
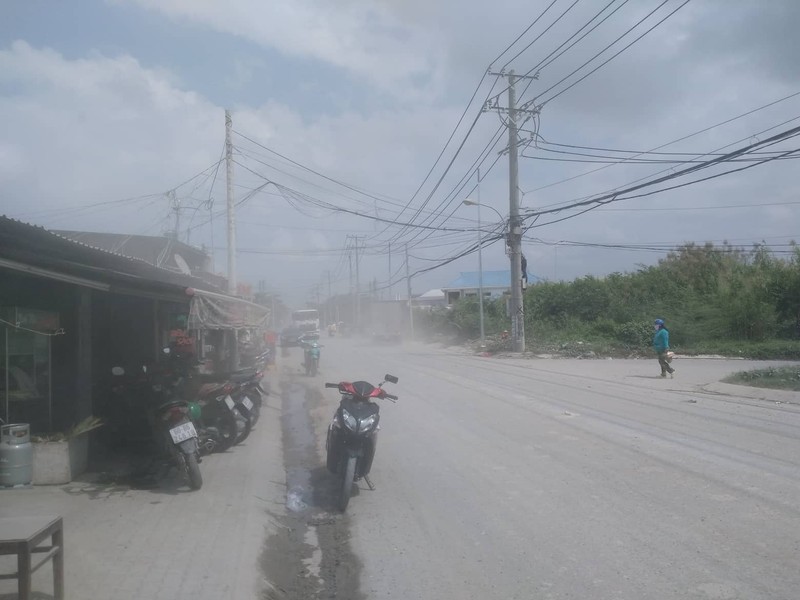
[[469, 202]]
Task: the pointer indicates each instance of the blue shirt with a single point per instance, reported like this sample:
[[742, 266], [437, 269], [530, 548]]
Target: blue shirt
[[661, 340]]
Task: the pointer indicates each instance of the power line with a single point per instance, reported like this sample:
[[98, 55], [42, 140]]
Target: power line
[[292, 194], [596, 202], [455, 129], [538, 37], [675, 141], [685, 208], [521, 35], [671, 170], [612, 57]]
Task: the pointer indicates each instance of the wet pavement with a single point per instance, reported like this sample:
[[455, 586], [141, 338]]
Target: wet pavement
[[310, 555]]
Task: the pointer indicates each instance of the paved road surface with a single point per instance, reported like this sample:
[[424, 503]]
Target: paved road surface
[[553, 479], [496, 479]]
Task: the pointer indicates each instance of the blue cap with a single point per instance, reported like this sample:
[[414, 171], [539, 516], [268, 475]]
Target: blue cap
[[659, 321]]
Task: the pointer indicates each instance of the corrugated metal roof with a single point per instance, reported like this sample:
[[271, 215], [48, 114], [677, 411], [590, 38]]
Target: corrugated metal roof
[[491, 279], [36, 246], [156, 250]]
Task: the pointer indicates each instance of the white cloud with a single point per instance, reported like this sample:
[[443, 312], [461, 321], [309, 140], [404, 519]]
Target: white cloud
[[100, 129], [105, 127], [360, 37]]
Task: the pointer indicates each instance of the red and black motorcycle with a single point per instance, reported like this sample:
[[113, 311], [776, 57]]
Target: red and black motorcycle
[[353, 433]]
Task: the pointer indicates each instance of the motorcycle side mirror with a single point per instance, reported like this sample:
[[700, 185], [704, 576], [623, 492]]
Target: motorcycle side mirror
[[390, 378], [117, 371]]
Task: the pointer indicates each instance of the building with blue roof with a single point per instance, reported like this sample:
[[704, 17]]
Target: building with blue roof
[[495, 285]]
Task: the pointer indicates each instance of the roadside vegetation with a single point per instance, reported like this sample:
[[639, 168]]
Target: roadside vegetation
[[716, 299], [778, 378]]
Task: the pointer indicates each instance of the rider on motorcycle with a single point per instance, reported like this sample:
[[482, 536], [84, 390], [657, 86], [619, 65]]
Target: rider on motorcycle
[[312, 351]]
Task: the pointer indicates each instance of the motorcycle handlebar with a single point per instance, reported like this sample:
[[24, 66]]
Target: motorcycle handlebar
[[391, 397], [332, 385]]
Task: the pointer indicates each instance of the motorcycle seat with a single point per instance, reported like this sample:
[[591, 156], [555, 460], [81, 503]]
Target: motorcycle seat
[[211, 389], [245, 371], [243, 377], [171, 404]]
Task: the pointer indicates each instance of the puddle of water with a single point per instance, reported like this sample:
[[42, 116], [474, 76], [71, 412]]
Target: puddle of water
[[310, 556]]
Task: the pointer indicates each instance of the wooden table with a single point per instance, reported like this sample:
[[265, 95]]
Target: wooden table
[[22, 536]]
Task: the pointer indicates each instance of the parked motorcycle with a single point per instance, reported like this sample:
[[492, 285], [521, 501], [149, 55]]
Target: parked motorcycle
[[353, 433], [174, 432], [216, 422], [249, 395], [219, 423]]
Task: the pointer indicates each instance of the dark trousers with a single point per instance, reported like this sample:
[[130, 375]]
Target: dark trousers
[[662, 362]]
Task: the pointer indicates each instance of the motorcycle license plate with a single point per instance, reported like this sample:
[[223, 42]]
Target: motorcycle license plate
[[183, 432], [229, 401], [248, 404]]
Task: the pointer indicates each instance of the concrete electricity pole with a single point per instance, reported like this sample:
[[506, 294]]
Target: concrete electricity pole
[[515, 224], [408, 287], [353, 296], [358, 290], [514, 221], [231, 210], [328, 311], [390, 271], [176, 206]]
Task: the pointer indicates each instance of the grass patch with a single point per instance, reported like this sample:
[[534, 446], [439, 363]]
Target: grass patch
[[768, 350], [775, 378]]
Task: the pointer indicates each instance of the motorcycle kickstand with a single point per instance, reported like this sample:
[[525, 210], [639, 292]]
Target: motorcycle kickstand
[[369, 483]]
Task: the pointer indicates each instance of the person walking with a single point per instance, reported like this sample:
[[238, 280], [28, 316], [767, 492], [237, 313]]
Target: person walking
[[661, 347]]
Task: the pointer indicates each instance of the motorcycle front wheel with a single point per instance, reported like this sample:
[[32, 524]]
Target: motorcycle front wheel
[[348, 475]]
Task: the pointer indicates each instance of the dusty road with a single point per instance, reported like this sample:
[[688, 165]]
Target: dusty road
[[543, 479]]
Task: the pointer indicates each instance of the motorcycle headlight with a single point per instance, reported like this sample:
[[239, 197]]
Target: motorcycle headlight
[[349, 420], [368, 423]]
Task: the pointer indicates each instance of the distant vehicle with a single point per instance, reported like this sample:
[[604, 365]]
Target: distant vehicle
[[387, 338], [291, 337], [306, 320]]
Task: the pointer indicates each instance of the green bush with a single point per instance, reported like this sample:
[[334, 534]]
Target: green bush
[[715, 299]]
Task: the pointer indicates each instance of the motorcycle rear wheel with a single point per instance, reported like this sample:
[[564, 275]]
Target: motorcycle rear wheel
[[246, 421], [348, 475], [226, 425], [255, 413], [193, 472]]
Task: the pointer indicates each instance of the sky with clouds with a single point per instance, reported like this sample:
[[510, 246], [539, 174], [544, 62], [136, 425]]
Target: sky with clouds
[[114, 109]]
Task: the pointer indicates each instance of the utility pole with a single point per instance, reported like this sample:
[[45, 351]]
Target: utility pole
[[211, 220], [390, 272], [358, 293], [353, 296], [231, 214], [328, 311], [514, 224], [514, 239], [176, 206], [233, 356], [408, 289], [480, 262]]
